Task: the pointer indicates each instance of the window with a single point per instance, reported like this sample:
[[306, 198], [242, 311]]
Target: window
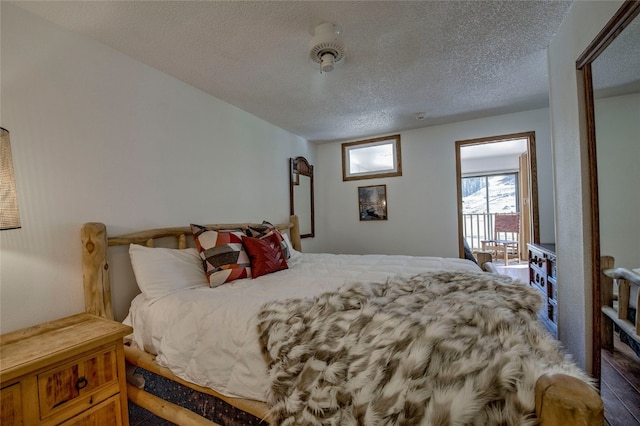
[[483, 197], [490, 194], [371, 158]]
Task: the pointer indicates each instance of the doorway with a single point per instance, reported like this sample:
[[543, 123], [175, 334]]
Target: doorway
[[497, 176], [603, 68]]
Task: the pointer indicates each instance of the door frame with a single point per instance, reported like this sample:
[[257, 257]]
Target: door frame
[[532, 177], [623, 17]]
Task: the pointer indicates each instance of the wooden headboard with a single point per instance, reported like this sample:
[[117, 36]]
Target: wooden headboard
[[95, 262]]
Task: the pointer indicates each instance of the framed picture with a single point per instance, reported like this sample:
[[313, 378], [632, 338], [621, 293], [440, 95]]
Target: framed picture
[[372, 201], [371, 158]]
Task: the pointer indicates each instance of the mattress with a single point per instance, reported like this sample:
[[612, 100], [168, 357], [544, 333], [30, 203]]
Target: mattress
[[209, 336]]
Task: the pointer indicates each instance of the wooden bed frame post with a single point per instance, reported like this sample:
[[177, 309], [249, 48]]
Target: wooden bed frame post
[[95, 270], [565, 400], [295, 232]]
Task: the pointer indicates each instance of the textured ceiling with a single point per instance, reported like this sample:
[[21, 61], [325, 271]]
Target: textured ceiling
[[453, 60]]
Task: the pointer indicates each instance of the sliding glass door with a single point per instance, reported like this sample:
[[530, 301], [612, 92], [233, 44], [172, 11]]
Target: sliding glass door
[[482, 197]]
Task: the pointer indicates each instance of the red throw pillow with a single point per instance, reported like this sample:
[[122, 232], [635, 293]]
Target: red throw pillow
[[265, 254]]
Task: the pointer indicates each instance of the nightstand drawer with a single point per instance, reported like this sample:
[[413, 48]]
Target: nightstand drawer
[[106, 413], [11, 405], [77, 382]]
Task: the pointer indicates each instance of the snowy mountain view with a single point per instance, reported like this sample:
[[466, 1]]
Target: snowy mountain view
[[482, 197], [489, 194]]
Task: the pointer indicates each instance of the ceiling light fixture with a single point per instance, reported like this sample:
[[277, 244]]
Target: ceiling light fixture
[[326, 46], [420, 115]]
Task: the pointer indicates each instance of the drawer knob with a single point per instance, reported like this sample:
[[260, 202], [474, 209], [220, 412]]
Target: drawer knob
[[81, 383]]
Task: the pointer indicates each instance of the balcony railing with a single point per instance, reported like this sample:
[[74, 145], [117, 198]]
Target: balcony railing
[[477, 227]]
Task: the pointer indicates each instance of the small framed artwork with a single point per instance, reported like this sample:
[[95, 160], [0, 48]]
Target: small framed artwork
[[372, 158], [372, 202]]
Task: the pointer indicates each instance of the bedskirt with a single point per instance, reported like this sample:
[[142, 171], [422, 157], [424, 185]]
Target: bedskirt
[[205, 405]]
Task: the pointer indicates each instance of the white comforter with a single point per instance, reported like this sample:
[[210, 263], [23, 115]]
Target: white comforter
[[209, 336]]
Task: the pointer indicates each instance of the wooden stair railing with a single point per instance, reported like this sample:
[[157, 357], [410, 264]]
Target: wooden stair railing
[[618, 312]]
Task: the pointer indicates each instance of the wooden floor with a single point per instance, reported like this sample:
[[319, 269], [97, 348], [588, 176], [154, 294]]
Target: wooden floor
[[620, 382], [620, 385], [517, 269]]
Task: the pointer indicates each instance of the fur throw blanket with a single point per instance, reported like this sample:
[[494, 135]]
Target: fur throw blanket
[[443, 348]]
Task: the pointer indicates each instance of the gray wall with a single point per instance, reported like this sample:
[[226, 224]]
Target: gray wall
[[422, 202], [97, 136], [571, 171]]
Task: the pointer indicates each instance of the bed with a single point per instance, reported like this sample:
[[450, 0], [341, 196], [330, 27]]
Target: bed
[[306, 357]]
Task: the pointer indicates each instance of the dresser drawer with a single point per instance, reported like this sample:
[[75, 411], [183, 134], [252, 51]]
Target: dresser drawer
[[78, 383], [539, 280]]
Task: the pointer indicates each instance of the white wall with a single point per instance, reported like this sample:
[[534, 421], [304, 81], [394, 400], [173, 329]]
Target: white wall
[[617, 130], [573, 229], [422, 202], [97, 136], [499, 163]]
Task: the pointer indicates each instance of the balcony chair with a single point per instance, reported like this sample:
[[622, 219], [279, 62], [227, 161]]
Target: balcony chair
[[506, 237]]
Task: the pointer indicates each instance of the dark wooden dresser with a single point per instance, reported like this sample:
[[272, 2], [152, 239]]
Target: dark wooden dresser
[[543, 277]]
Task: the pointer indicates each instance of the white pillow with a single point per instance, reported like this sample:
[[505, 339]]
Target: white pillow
[[162, 271], [292, 252]]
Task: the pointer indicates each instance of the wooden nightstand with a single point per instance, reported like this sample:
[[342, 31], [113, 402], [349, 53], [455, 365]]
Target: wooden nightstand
[[70, 371]]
